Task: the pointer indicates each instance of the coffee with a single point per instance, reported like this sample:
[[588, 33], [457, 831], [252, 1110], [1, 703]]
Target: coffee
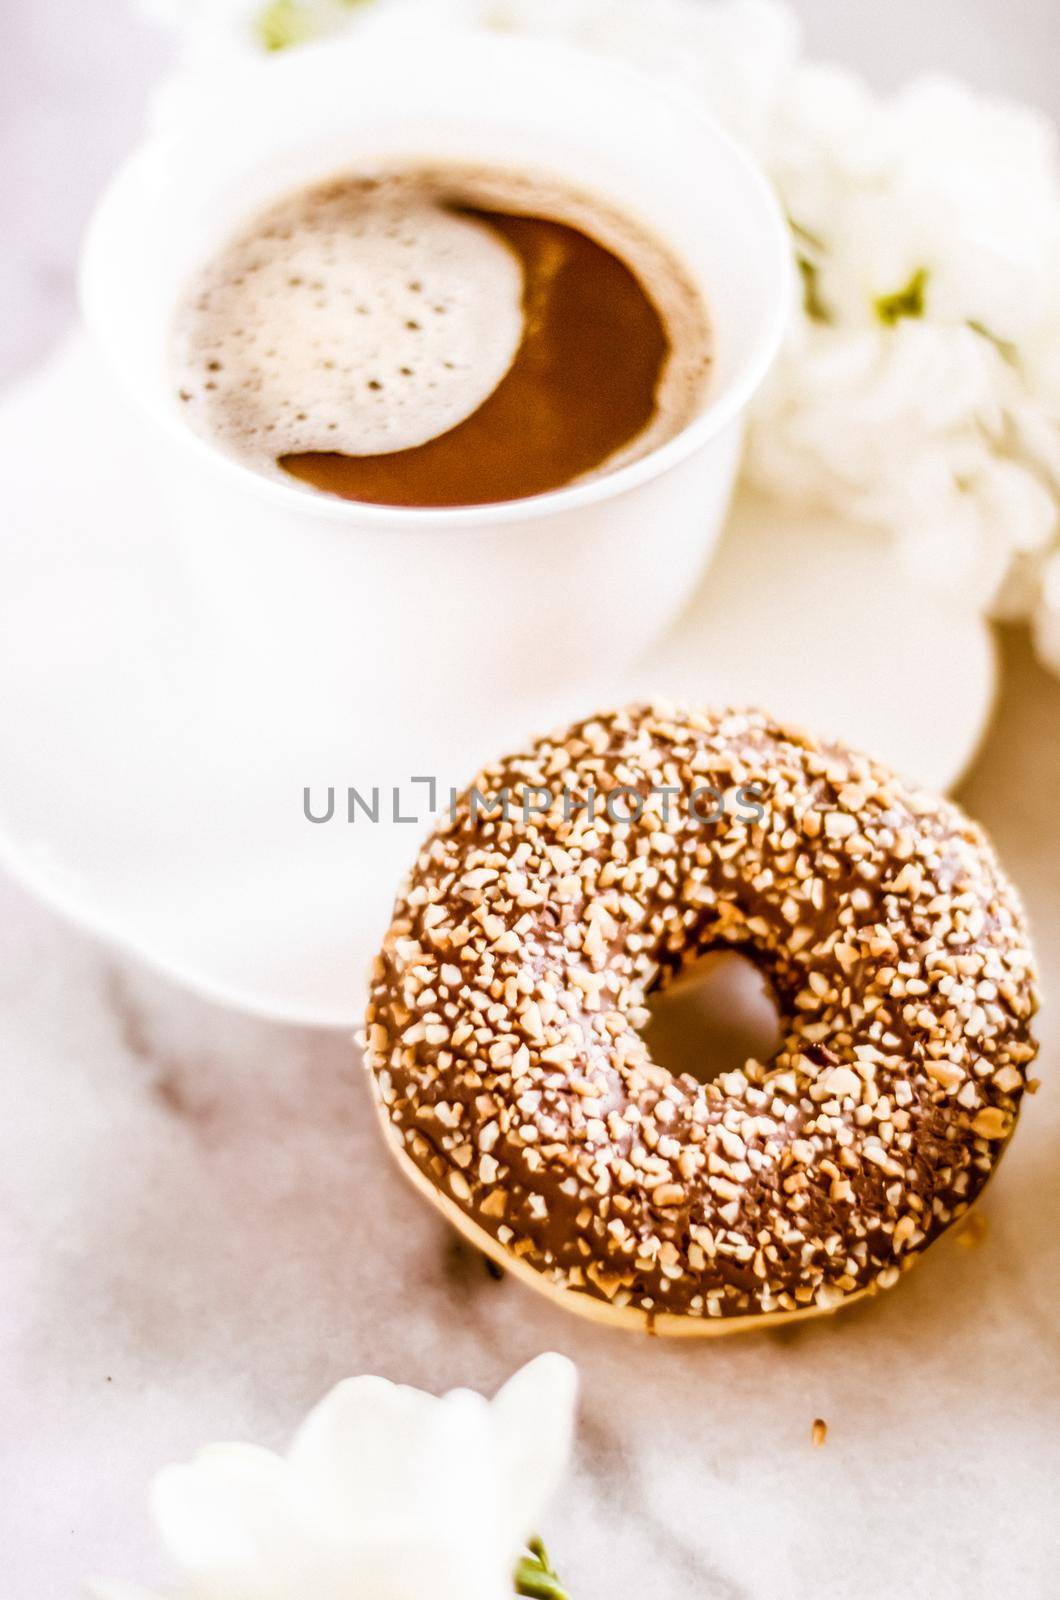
[[442, 338]]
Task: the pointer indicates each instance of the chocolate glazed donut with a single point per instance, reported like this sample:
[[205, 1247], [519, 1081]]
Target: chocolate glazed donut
[[502, 1031]]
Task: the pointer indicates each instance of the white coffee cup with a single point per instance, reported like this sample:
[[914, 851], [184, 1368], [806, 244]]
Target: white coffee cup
[[339, 617]]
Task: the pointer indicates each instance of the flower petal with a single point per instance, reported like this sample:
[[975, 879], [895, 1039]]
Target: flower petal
[[533, 1418], [1047, 615], [376, 1455], [229, 1520]]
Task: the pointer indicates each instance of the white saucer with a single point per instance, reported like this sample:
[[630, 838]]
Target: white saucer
[[127, 806]]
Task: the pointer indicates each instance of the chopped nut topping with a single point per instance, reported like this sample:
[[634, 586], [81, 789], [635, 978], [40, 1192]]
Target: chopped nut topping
[[503, 1035]]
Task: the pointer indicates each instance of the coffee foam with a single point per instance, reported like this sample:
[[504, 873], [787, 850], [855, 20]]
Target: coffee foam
[[366, 316], [355, 318]]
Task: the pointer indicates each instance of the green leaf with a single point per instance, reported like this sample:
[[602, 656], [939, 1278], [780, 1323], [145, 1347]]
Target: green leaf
[[535, 1576], [283, 23], [907, 302]]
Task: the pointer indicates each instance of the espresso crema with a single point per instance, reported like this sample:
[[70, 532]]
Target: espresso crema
[[441, 337]]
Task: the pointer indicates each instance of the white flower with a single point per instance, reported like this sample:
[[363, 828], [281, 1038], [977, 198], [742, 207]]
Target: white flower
[[386, 1493], [919, 390]]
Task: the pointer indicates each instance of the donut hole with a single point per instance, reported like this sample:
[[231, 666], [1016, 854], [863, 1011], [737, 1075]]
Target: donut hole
[[717, 1014]]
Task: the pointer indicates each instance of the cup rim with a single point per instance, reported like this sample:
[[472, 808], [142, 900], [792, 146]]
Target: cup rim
[[720, 409]]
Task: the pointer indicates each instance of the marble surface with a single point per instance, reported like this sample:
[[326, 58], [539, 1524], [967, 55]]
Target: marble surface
[[200, 1232]]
